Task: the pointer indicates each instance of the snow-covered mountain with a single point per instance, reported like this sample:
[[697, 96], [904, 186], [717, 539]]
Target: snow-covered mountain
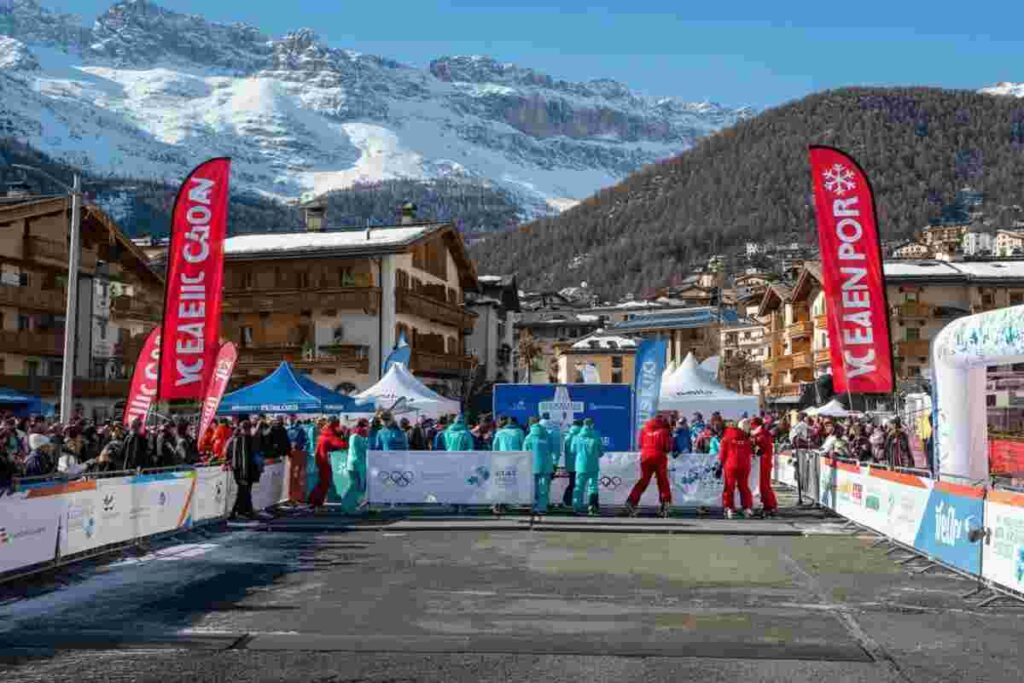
[[146, 93], [1005, 88]]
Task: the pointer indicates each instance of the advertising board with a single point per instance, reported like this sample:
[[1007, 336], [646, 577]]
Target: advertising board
[[454, 477], [608, 405]]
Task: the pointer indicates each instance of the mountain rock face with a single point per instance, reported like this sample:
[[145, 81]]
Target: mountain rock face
[[146, 92]]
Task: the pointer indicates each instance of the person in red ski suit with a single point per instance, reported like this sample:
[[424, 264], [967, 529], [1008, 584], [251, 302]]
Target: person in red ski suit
[[655, 443], [331, 439], [734, 456], [765, 445]]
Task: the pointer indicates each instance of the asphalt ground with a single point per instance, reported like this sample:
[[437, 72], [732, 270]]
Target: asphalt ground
[[328, 598]]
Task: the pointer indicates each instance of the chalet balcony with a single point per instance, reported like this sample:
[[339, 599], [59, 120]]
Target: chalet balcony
[[452, 315], [441, 363], [803, 328], [32, 342], [136, 308], [821, 322], [803, 360], [51, 301], [305, 356], [822, 357], [914, 310], [366, 299], [42, 249], [913, 348], [781, 390], [779, 363]]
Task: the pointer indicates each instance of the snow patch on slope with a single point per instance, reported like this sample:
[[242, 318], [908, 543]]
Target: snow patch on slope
[[1005, 88]]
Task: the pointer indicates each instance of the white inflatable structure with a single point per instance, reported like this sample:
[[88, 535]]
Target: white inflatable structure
[[960, 354], [399, 388]]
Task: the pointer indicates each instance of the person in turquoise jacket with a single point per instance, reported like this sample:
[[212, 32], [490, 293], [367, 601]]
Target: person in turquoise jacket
[[390, 437], [509, 436], [587, 449], [554, 434], [570, 462], [457, 436], [356, 461], [539, 444]]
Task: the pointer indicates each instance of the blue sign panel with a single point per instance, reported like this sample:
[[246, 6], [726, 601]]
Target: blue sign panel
[[948, 520], [608, 405]]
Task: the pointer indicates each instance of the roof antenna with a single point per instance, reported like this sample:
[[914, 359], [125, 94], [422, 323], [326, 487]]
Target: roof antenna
[[367, 229]]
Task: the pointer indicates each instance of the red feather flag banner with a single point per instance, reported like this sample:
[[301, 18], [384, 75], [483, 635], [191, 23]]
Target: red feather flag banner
[[222, 369], [195, 274], [143, 391], [851, 269]]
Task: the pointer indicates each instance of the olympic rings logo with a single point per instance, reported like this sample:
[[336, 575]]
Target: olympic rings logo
[[611, 482], [395, 478]]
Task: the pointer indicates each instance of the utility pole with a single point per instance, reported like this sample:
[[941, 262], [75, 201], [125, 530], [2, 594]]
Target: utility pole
[[71, 313]]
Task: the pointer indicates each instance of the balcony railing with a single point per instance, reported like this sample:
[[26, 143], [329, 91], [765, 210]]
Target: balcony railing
[[32, 342], [52, 300], [804, 328], [305, 356], [784, 390], [136, 308], [822, 357], [40, 248], [913, 348], [440, 364], [413, 303], [821, 322], [914, 309], [804, 359], [366, 299], [779, 363]]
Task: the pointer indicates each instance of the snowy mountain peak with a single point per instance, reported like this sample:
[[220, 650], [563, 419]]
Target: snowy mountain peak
[[146, 92], [1005, 88]]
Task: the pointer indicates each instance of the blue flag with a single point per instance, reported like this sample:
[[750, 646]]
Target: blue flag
[[650, 364], [402, 353]]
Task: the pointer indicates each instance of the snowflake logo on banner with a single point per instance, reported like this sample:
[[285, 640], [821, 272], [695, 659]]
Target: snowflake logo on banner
[[839, 180]]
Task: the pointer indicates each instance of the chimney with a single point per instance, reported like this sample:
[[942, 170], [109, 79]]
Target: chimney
[[408, 213], [314, 211], [18, 188]]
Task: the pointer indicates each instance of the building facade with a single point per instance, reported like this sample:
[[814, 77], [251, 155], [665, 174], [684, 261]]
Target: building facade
[[335, 303], [493, 341], [600, 358], [119, 302]]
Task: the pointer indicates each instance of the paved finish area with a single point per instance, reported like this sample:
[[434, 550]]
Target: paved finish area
[[326, 599]]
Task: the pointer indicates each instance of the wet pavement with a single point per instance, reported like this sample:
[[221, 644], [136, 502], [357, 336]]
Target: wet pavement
[[481, 599]]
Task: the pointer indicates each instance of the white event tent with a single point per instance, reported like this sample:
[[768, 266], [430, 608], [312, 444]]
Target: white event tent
[[831, 409], [400, 391], [689, 389]]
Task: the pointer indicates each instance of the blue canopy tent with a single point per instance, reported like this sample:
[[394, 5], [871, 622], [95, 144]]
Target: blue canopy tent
[[23, 405], [286, 391]]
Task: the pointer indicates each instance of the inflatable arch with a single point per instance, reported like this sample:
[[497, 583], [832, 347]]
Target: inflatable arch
[[960, 354]]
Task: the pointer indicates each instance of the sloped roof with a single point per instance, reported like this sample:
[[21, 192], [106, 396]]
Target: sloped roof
[[684, 319]]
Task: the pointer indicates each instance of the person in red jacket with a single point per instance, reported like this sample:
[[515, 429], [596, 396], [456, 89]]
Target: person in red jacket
[[765, 445], [734, 457], [655, 444], [331, 439]]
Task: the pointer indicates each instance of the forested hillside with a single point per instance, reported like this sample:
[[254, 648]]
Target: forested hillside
[[751, 182]]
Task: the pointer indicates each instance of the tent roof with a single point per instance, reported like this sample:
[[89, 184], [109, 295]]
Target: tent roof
[[690, 387], [285, 391], [398, 383], [10, 396], [832, 409]]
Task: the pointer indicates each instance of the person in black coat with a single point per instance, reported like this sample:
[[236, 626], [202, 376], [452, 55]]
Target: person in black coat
[[186, 448], [136, 448], [242, 458], [166, 447], [277, 443]]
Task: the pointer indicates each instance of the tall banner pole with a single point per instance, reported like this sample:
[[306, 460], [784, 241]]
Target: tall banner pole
[[214, 392], [194, 289], [648, 368], [853, 279], [143, 392]]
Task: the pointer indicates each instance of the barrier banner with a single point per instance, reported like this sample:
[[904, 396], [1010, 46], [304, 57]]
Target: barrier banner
[[953, 511], [691, 476], [785, 465], [1003, 553], [270, 490], [1006, 457], [457, 477], [210, 501], [29, 524], [195, 274], [144, 380], [851, 269]]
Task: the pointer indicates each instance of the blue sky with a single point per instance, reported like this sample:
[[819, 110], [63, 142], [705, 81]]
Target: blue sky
[[735, 52]]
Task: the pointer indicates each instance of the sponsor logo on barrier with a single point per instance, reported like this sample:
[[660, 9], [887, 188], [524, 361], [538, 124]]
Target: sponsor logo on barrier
[[8, 538], [479, 477], [397, 478], [162, 499], [611, 483], [108, 502], [218, 492], [505, 478], [949, 528], [89, 526], [873, 502]]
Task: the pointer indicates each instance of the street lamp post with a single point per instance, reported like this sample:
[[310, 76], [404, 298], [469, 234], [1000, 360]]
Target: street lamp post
[[71, 309]]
